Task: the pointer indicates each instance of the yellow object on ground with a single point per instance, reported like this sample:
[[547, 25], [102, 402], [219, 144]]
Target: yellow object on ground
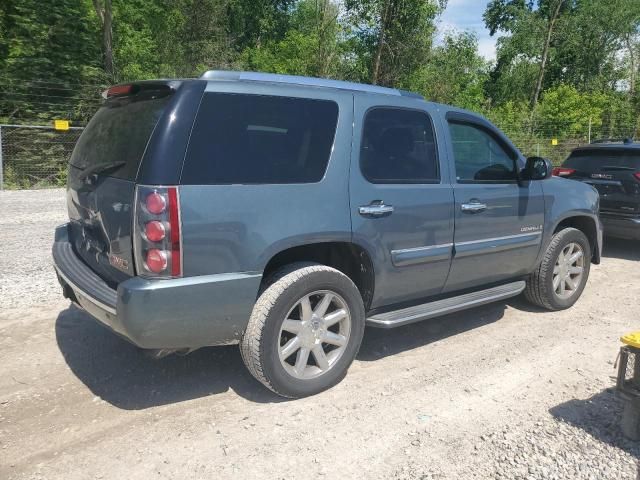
[[632, 339]]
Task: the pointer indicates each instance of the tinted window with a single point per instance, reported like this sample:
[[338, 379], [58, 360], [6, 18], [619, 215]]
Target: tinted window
[[244, 139], [603, 159], [398, 147], [478, 156], [116, 137]]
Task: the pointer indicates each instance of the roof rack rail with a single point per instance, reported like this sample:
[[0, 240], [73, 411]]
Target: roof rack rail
[[307, 81], [626, 140]]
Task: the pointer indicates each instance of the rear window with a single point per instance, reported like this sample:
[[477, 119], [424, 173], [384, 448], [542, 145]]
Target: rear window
[[116, 137], [603, 159], [256, 139]]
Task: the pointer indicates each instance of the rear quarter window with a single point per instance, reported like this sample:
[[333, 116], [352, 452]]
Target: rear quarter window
[[258, 139]]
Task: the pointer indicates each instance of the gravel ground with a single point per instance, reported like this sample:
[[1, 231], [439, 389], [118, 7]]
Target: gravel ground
[[501, 392], [26, 233]]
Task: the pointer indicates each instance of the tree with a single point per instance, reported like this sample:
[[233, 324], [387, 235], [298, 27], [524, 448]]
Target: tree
[[252, 23], [632, 45], [105, 16], [551, 23], [573, 42], [310, 47], [531, 26], [203, 37], [393, 36], [453, 73], [48, 59], [590, 44], [319, 19]]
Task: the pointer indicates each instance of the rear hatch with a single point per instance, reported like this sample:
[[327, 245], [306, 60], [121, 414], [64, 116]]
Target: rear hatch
[[102, 175], [614, 172]]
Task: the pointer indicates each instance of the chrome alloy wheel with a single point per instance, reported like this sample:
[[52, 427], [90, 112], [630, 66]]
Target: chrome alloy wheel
[[314, 334], [568, 271]]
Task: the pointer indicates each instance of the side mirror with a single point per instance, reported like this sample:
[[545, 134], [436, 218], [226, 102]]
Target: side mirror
[[537, 168]]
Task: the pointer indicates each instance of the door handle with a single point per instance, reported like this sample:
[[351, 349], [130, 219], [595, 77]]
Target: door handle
[[376, 210], [473, 207]]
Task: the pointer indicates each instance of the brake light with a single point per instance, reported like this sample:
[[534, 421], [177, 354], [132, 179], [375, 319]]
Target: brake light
[[117, 90], [562, 171], [157, 239], [637, 175]]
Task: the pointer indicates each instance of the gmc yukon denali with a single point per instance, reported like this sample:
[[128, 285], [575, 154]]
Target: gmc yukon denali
[[285, 213]]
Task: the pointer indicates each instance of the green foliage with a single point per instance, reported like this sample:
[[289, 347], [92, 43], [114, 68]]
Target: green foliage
[[51, 60], [293, 55], [253, 22], [391, 37], [454, 73], [566, 112], [585, 44], [310, 47], [56, 46], [589, 41]]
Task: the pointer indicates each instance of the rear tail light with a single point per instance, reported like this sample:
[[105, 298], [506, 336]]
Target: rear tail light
[[637, 175], [156, 260], [155, 231], [157, 236], [155, 203], [562, 171]]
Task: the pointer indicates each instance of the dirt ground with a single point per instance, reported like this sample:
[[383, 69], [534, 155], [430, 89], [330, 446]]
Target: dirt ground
[[493, 392]]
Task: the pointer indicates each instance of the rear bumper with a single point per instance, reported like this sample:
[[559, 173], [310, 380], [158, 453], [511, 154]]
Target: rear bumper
[[622, 227], [180, 313]]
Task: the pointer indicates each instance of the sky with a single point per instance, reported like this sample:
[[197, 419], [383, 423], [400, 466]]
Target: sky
[[467, 15]]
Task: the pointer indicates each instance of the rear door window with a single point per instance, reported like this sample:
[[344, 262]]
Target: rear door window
[[398, 146], [115, 139], [259, 139]]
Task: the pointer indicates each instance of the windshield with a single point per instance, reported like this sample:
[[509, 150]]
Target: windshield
[[116, 137], [603, 159]]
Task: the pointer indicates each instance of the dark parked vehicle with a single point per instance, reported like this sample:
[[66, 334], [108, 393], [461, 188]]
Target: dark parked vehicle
[[285, 213], [613, 168]]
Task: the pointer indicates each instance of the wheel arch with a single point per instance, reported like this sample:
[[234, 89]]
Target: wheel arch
[[349, 258], [587, 225]]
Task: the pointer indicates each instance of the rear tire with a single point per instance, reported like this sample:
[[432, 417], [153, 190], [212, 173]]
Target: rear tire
[[305, 330], [560, 278]]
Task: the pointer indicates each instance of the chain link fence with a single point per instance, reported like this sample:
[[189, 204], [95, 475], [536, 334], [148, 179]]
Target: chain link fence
[[34, 156], [556, 139]]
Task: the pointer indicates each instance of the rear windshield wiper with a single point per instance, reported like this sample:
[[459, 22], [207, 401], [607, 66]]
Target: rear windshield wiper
[[101, 167]]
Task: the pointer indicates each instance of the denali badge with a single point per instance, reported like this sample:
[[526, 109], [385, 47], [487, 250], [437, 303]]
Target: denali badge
[[118, 262], [531, 228]]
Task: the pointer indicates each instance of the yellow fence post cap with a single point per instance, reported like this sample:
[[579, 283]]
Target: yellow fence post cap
[[632, 339], [61, 124]]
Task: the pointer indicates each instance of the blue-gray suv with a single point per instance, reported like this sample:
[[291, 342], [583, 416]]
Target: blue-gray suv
[[286, 213]]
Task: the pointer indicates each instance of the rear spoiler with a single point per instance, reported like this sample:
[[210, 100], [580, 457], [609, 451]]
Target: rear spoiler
[[158, 88]]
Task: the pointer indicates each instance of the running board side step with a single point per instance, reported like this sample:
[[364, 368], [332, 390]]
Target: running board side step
[[398, 318]]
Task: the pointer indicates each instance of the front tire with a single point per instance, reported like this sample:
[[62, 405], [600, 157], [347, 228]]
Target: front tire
[[560, 278], [305, 330]]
